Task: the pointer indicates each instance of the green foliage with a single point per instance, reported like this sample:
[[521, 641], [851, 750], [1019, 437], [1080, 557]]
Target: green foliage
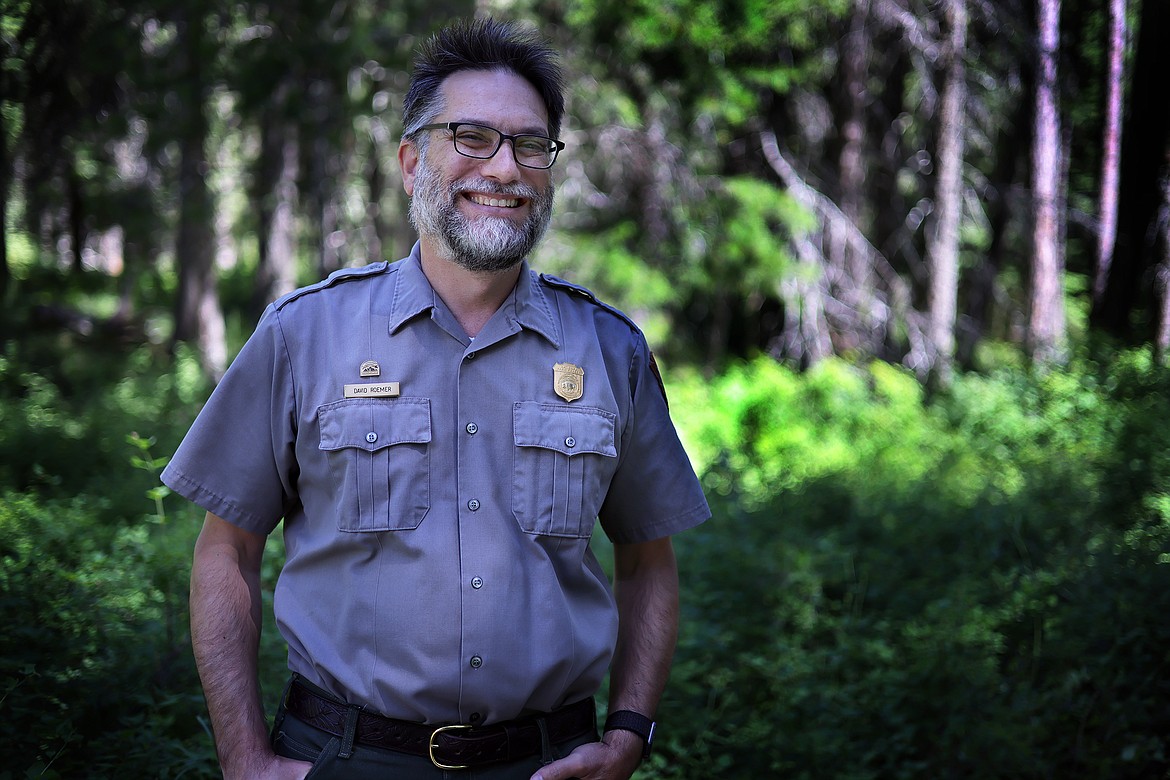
[[726, 57], [96, 673], [972, 586]]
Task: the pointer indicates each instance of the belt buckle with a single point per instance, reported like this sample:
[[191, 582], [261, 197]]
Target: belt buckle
[[432, 745]]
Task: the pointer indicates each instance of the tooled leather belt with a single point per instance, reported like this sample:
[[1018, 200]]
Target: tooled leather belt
[[448, 747]]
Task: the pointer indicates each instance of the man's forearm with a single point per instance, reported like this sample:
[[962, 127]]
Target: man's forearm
[[225, 636], [646, 588]]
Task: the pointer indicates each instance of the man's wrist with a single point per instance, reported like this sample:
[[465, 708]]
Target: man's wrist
[[635, 724]]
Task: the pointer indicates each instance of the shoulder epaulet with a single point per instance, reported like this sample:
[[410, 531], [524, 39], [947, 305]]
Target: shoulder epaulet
[[334, 279], [587, 294]]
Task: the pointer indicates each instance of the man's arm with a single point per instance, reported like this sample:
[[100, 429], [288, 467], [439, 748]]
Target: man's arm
[[225, 635], [646, 587]]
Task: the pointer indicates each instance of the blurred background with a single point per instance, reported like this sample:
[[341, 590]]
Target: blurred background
[[905, 265]]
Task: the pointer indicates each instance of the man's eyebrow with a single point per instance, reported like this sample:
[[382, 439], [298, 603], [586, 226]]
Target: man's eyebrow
[[541, 130]]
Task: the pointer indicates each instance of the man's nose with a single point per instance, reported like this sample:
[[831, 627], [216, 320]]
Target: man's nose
[[502, 166]]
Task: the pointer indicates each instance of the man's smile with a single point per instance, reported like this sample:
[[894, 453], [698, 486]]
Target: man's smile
[[496, 202]]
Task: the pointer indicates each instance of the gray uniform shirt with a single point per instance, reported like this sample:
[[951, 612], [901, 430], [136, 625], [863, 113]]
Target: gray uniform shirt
[[437, 530]]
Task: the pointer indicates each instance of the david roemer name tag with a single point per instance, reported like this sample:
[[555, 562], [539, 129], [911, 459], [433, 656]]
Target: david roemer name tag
[[379, 390]]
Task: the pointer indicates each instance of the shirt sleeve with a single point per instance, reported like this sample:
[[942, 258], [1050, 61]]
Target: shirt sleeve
[[238, 460], [654, 492]]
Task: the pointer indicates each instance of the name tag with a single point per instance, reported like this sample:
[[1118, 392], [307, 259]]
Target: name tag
[[383, 390]]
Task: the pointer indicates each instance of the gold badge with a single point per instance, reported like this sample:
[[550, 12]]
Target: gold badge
[[568, 381], [371, 368]]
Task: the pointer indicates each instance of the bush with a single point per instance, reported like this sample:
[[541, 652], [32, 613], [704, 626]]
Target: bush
[[94, 662], [894, 588]]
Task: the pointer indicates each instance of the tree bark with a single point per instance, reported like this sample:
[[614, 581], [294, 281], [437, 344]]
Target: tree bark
[[5, 184], [1142, 148], [1046, 331], [943, 246], [1162, 337], [276, 195], [1111, 143], [851, 278], [198, 318]]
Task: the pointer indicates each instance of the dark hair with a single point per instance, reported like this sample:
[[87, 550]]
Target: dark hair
[[482, 44]]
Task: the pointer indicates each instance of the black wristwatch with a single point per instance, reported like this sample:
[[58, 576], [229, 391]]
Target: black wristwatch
[[628, 720]]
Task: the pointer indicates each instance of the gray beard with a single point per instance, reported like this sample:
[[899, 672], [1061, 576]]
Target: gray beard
[[490, 244]]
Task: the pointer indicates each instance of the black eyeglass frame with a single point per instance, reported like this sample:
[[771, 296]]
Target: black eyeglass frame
[[452, 127]]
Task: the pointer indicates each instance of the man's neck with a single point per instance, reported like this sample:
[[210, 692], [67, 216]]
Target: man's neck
[[472, 296]]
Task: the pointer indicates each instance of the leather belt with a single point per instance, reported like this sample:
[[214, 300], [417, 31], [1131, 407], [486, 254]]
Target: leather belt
[[455, 746]]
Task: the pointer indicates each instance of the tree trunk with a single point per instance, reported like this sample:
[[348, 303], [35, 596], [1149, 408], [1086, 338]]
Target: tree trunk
[[76, 216], [851, 277], [5, 183], [1162, 337], [851, 161], [198, 318], [1142, 147], [276, 195], [1046, 331], [1111, 142], [943, 246]]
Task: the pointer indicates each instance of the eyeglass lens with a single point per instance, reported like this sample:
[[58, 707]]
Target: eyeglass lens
[[532, 151]]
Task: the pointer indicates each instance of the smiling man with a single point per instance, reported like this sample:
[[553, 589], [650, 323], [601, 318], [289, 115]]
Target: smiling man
[[440, 435]]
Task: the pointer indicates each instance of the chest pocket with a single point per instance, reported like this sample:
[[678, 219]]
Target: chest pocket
[[564, 459], [379, 455]]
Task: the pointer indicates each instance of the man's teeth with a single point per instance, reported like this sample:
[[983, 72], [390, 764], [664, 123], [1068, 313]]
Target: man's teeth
[[507, 203]]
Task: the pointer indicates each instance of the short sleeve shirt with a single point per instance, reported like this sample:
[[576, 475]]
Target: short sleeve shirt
[[439, 492]]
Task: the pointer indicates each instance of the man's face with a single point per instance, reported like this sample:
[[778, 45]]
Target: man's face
[[484, 215]]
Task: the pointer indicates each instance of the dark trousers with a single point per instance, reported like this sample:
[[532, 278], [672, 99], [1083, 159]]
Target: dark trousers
[[292, 738]]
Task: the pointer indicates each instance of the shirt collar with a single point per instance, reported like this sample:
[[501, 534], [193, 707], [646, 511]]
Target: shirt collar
[[528, 305]]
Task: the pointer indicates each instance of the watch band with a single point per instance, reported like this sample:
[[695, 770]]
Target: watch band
[[628, 720]]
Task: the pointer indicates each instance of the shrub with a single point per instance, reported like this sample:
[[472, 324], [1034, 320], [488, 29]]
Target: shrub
[[892, 587]]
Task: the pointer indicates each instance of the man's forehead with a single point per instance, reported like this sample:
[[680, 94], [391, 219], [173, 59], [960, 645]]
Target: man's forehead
[[494, 96]]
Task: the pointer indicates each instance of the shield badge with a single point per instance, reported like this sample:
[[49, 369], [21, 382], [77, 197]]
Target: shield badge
[[371, 368], [568, 381]]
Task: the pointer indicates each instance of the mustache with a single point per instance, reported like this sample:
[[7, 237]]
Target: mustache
[[494, 188]]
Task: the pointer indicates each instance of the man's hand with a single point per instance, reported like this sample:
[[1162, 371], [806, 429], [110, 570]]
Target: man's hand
[[272, 767], [615, 757]]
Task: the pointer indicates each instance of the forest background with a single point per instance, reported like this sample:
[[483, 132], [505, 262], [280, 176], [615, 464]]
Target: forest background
[[905, 265]]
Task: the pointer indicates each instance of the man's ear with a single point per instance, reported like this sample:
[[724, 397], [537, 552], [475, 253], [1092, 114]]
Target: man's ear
[[408, 163]]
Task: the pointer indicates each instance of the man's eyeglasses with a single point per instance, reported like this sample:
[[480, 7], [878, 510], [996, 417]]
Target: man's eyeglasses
[[482, 142]]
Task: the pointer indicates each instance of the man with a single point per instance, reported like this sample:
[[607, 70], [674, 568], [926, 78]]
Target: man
[[439, 435]]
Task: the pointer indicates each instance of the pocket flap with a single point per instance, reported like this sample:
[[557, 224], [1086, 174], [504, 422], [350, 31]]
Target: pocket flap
[[568, 430], [373, 423]]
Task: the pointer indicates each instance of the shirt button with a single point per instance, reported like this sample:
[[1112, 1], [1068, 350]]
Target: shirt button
[[471, 356], [475, 717], [472, 428], [570, 442], [477, 582], [476, 662], [371, 437], [473, 505]]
